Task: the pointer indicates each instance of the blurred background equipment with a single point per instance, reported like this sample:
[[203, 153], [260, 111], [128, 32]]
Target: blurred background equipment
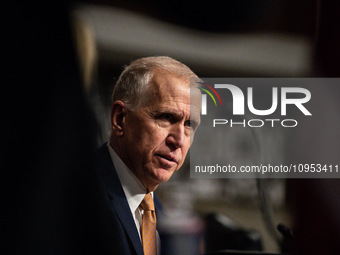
[[222, 233]]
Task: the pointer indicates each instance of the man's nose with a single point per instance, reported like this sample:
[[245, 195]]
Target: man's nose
[[176, 135]]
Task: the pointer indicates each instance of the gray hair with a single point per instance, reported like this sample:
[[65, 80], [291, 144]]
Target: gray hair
[[131, 86]]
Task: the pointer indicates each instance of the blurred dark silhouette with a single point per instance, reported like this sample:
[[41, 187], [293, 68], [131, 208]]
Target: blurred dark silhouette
[[316, 201], [51, 198], [327, 51]]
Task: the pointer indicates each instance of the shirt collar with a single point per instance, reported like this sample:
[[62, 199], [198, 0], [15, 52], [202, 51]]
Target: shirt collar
[[133, 188]]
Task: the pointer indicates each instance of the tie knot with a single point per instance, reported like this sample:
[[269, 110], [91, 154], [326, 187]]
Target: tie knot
[[147, 203]]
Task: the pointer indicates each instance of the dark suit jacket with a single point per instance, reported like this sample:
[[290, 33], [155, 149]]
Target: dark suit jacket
[[126, 240]]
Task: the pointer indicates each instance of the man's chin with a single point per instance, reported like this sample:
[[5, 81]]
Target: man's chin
[[161, 175]]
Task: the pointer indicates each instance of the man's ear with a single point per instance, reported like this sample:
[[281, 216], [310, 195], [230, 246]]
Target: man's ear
[[118, 115]]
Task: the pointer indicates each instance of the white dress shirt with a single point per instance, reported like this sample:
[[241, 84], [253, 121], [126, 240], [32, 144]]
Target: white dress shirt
[[134, 191]]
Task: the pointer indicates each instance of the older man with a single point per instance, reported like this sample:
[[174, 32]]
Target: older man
[[153, 121]]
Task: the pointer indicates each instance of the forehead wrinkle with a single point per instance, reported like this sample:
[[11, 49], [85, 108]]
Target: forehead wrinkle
[[174, 109], [169, 93]]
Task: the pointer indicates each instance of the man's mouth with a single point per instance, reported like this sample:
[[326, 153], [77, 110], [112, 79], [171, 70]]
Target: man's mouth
[[167, 157]]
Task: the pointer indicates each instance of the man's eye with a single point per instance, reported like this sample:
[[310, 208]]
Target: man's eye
[[190, 123], [166, 116]]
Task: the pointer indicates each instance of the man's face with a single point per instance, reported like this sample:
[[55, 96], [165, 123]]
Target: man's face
[[157, 136]]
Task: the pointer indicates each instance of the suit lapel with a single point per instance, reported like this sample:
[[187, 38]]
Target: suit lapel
[[117, 196], [122, 209]]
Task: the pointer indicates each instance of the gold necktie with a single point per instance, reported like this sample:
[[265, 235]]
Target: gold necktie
[[149, 226]]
